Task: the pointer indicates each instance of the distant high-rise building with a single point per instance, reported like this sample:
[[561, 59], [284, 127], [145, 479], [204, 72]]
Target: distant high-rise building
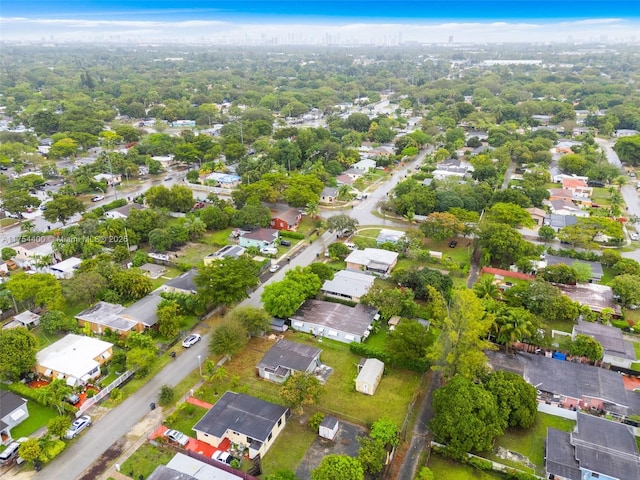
[[450, 39]]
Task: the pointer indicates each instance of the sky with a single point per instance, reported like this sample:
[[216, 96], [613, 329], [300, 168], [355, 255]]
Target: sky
[[376, 22]]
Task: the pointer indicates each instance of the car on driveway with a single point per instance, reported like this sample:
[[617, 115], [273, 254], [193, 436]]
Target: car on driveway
[[9, 454], [191, 340], [223, 457], [274, 268], [634, 236], [453, 243], [78, 425], [97, 198], [177, 437]]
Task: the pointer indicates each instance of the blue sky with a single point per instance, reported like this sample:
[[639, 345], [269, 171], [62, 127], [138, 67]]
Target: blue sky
[[363, 21]]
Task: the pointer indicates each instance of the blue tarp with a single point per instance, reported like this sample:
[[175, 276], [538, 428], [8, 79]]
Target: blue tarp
[[559, 356]]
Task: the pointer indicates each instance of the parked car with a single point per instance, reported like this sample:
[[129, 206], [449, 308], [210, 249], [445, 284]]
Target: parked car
[[177, 437], [285, 243], [97, 198], [191, 340], [166, 179], [274, 268], [223, 457], [634, 236], [78, 426], [453, 243], [9, 454], [73, 399], [269, 250]]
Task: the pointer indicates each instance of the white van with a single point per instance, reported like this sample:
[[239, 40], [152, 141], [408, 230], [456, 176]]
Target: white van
[[269, 250], [350, 246], [9, 453]]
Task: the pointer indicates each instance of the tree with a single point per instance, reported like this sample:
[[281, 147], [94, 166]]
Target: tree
[[55, 395], [441, 225], [169, 318], [582, 271], [504, 244], [628, 149], [386, 431], [8, 253], [546, 233], [58, 426], [83, 288], [425, 473], [486, 287], [63, 148], [338, 467], [140, 359], [408, 345], [465, 417], [573, 163], [514, 324], [341, 223], [282, 299], [560, 273], [227, 281], [586, 346], [391, 301], [18, 347], [16, 201], [517, 400], [510, 214], [322, 270], [281, 475], [228, 338], [166, 396], [301, 389], [371, 455], [338, 251], [131, 284], [460, 348], [628, 288], [62, 207], [160, 239], [55, 321], [255, 320], [308, 281], [30, 450]]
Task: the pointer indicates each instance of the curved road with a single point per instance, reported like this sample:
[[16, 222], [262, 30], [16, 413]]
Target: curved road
[[121, 419]]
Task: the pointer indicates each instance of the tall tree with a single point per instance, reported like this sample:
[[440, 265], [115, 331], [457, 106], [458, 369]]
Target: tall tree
[[283, 299], [228, 338], [301, 389], [517, 400], [227, 281], [62, 208], [18, 347], [342, 467], [255, 320]]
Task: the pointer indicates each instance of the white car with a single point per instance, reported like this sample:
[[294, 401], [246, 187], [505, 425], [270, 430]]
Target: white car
[[223, 457], [191, 340], [634, 236], [177, 437], [78, 426], [274, 268], [97, 198]]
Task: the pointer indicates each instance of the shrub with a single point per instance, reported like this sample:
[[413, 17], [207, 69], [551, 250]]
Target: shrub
[[480, 463], [116, 394], [166, 395], [369, 352], [51, 449], [23, 391], [91, 393], [315, 421], [294, 235], [121, 202]]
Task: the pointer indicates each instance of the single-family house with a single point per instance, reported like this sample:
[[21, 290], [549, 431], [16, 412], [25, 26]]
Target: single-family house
[[183, 283], [559, 177], [623, 132], [124, 211], [364, 165], [596, 449], [595, 296], [224, 180], [452, 167], [369, 376], [185, 467], [4, 268], [569, 196], [329, 427], [537, 214], [564, 207], [260, 238], [13, 411], [103, 316], [374, 260], [353, 173], [328, 195], [596, 267], [570, 385], [66, 268], [244, 420], [28, 252], [228, 251], [26, 319], [542, 119], [286, 357], [344, 179], [578, 187], [558, 222], [390, 236], [617, 351], [334, 320], [144, 311], [152, 270], [108, 178], [74, 358], [348, 284], [165, 160], [286, 219]]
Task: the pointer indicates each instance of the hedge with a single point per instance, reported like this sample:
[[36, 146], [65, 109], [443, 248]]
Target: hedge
[[369, 352], [23, 391], [294, 235]]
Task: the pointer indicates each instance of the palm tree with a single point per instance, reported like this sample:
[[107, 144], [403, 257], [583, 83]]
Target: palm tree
[[54, 394], [344, 192], [313, 210], [486, 288], [28, 227], [513, 325]]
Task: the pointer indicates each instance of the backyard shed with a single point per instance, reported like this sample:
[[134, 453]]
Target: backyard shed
[[369, 377], [329, 427]]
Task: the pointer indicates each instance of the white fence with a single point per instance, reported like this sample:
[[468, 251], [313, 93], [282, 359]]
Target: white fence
[[90, 402], [557, 411]]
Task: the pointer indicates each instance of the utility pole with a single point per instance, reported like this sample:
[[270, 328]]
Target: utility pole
[[115, 190]]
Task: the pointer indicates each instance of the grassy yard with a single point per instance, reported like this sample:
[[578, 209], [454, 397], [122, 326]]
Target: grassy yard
[[38, 418], [185, 417], [288, 450], [145, 460], [530, 442], [445, 469]]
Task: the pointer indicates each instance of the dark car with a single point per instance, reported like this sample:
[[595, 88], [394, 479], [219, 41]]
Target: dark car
[[595, 183], [285, 243], [453, 243]]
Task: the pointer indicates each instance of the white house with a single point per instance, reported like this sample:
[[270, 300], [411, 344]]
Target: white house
[[26, 319], [348, 284], [374, 260], [108, 178], [66, 268], [27, 253], [75, 358], [369, 377], [364, 165], [124, 211], [13, 411]]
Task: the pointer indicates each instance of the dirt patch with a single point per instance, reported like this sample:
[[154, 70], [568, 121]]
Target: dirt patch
[[105, 461], [515, 457]]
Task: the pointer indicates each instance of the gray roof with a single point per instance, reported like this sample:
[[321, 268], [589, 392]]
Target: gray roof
[[291, 355], [9, 401], [329, 422], [606, 447], [165, 473], [353, 320], [348, 283], [329, 192], [596, 267], [610, 338], [560, 221], [126, 209], [199, 470], [107, 314], [263, 234], [596, 297], [144, 311], [560, 455], [228, 251], [184, 281], [559, 377], [241, 413], [371, 369]]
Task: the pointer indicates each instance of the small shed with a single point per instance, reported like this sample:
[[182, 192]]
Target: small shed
[[152, 270], [393, 322], [369, 377], [278, 325], [329, 427]]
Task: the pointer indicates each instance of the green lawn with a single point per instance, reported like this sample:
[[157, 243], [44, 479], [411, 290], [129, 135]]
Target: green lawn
[[445, 469], [145, 460], [530, 442], [288, 450], [185, 417], [38, 418], [600, 195]]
